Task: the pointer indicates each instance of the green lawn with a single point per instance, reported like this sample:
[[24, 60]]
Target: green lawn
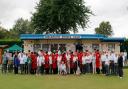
[[88, 81]]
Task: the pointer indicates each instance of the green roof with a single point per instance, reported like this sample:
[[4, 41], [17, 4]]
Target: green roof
[[14, 48]]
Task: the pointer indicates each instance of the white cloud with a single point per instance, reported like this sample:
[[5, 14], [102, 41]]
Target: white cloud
[[115, 11]]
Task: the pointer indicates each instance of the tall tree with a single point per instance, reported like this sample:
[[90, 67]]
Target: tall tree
[[104, 28], [3, 33], [60, 16], [21, 26]]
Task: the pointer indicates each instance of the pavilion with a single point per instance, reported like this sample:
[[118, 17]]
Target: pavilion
[[35, 42]]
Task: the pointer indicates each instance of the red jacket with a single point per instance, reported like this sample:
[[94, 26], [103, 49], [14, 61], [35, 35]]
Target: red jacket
[[64, 58], [46, 65], [97, 59], [54, 61], [80, 57], [34, 61]]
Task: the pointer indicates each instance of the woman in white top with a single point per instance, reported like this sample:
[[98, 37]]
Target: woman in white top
[[50, 62], [94, 63], [103, 58], [75, 62], [116, 64], [87, 60], [83, 63], [21, 58], [68, 56], [40, 61], [107, 63], [59, 59]]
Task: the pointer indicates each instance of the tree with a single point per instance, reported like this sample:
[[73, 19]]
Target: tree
[[104, 28], [21, 26], [3, 33], [60, 16]]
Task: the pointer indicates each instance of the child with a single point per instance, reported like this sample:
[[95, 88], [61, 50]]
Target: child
[[63, 68]]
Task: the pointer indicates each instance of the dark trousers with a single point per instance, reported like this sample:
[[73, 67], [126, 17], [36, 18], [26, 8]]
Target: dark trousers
[[91, 68], [83, 68], [103, 68], [111, 68], [87, 67], [46, 70], [42, 69], [120, 71], [98, 70], [33, 71], [50, 69], [15, 69], [107, 70], [71, 70], [116, 69], [10, 68], [54, 70], [22, 68], [74, 70], [26, 68], [29, 68]]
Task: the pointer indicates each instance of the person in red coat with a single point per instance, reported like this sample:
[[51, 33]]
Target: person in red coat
[[34, 62], [54, 63], [79, 55], [47, 65], [97, 56]]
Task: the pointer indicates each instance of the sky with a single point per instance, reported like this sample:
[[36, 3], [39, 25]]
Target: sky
[[114, 11]]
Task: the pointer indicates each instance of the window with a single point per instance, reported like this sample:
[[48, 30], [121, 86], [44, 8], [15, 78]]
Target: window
[[45, 47], [62, 47], [37, 47], [54, 47], [111, 47], [95, 46]]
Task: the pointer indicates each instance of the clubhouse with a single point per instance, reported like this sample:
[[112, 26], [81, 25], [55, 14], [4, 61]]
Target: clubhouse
[[73, 42]]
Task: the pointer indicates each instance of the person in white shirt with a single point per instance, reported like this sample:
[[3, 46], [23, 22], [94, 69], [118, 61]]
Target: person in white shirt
[[22, 62], [25, 57], [116, 64], [107, 63], [40, 61], [59, 59], [63, 68], [103, 57], [75, 63], [87, 61], [50, 62], [124, 58], [68, 56], [83, 63], [91, 62], [94, 63], [111, 58]]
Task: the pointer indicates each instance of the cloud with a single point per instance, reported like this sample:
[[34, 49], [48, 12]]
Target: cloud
[[115, 11], [11, 10]]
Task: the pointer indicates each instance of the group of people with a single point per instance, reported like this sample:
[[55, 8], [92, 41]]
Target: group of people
[[107, 63]]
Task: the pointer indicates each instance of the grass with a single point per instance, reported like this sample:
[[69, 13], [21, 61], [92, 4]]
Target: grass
[[88, 81]]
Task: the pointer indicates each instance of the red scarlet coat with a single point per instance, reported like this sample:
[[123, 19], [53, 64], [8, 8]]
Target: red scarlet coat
[[54, 61], [34, 61], [97, 54], [79, 55], [46, 65], [64, 58]]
